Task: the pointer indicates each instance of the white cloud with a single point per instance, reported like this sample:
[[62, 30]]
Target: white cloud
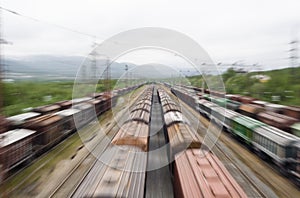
[[252, 30]]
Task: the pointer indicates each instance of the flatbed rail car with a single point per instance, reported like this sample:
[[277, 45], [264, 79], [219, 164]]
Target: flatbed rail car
[[198, 174]]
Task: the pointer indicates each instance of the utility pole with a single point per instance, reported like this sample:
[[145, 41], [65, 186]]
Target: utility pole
[[294, 59], [126, 76]]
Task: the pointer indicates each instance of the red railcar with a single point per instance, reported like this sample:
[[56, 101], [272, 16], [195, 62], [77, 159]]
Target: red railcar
[[197, 175]]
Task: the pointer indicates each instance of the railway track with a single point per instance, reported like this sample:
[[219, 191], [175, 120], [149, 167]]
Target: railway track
[[90, 159], [63, 188], [252, 186]]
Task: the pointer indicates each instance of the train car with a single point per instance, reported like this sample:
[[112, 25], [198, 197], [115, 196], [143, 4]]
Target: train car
[[17, 121], [68, 122], [181, 137], [47, 109], [133, 133], [66, 104], [173, 117], [97, 106], [123, 175], [276, 108], [49, 131], [233, 105], [197, 174], [246, 99], [277, 120], [250, 110], [243, 127], [140, 115], [295, 129], [205, 107], [274, 143], [260, 103], [86, 114], [141, 106], [15, 148], [4, 124], [292, 111]]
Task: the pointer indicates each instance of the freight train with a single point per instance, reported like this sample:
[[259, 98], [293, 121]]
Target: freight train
[[197, 172], [271, 143], [25, 136]]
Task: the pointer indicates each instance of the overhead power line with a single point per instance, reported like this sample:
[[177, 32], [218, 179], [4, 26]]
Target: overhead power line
[[45, 22]]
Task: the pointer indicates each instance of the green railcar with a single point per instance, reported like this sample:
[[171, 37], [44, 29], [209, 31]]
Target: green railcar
[[243, 127], [296, 129]]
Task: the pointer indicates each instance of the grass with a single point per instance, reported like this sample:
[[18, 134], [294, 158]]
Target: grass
[[25, 94], [284, 83]]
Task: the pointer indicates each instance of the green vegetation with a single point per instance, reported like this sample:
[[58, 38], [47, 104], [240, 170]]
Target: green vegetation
[[25, 94], [284, 83]]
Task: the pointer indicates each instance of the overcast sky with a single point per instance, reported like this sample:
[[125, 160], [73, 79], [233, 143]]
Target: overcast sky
[[254, 31]]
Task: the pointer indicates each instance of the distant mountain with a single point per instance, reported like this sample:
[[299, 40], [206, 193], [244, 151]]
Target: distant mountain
[[42, 66]]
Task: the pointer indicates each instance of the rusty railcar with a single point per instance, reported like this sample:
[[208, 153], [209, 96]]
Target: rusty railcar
[[133, 133], [250, 110], [197, 174], [17, 121], [66, 104], [15, 148], [292, 111], [4, 124], [47, 109], [49, 131], [68, 123], [277, 120]]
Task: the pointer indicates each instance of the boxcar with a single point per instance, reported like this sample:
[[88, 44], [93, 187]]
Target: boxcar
[[250, 110], [48, 109], [49, 131], [86, 114], [292, 111], [15, 147], [295, 129], [66, 104], [277, 120], [19, 120], [67, 116], [275, 143], [4, 124], [275, 108], [243, 127]]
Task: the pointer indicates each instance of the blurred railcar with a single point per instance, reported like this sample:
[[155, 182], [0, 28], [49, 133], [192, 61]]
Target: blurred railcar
[[292, 111], [199, 174], [243, 127], [250, 110], [277, 120], [15, 148], [49, 131], [17, 121], [4, 124], [47, 109], [68, 122], [66, 104]]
